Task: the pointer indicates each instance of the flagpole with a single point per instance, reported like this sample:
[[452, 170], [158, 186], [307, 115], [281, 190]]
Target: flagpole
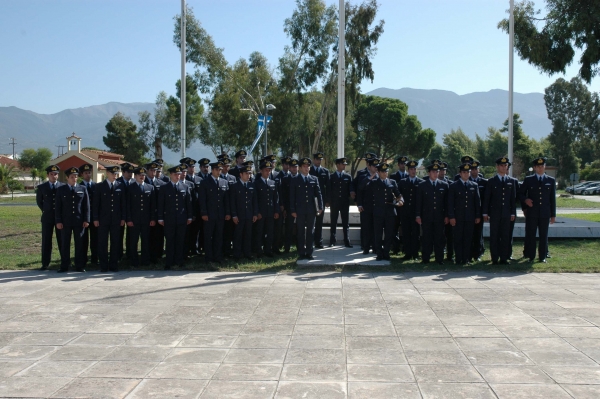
[[341, 80], [183, 78], [511, 35]]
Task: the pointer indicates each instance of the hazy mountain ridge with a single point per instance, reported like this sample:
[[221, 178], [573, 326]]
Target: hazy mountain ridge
[[443, 110], [440, 110]]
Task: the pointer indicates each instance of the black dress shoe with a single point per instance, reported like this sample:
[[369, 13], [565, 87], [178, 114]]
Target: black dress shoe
[[494, 262], [386, 257], [348, 245], [286, 251], [80, 269], [548, 256], [331, 244], [167, 267], [379, 257], [309, 257], [270, 255], [44, 268], [543, 261], [366, 252], [113, 269], [62, 270], [406, 257], [531, 260], [440, 262], [424, 262], [505, 262], [320, 246], [249, 257]]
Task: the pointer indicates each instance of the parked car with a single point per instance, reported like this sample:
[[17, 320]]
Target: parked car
[[580, 186], [591, 190]]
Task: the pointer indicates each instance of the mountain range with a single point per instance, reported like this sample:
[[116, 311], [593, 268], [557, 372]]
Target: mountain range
[[436, 109]]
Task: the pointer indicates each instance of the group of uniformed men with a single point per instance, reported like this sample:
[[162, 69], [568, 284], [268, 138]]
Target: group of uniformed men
[[227, 211]]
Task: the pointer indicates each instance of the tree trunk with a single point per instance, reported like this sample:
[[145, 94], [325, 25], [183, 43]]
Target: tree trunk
[[158, 152]]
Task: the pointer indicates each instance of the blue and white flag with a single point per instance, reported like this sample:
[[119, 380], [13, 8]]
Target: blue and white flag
[[260, 128]]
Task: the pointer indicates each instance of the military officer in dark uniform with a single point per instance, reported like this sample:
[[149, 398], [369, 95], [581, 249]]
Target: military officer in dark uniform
[[72, 216], [364, 202], [267, 199], [90, 234], [214, 208], [306, 203], [244, 211], [229, 226], [290, 220], [411, 231], [538, 193], [448, 231], [45, 198], [466, 159], [174, 212], [499, 208], [126, 179], [369, 157], [109, 214], [157, 232], [340, 190], [141, 215], [279, 231], [322, 175], [477, 246], [240, 158], [431, 214], [191, 243], [386, 198], [464, 209], [400, 174]]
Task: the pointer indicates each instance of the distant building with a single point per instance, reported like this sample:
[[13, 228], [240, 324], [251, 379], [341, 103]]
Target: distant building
[[76, 157]]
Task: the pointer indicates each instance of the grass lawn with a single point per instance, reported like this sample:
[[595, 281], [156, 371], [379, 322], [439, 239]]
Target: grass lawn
[[592, 217], [575, 203], [20, 246]]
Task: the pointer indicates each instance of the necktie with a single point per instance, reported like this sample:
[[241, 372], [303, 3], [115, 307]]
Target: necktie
[[52, 186], [465, 185], [141, 187]]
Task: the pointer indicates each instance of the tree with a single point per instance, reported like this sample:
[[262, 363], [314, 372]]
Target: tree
[[35, 175], [37, 159], [575, 115], [8, 179], [490, 148], [123, 138], [384, 126], [568, 26], [456, 145], [525, 149]]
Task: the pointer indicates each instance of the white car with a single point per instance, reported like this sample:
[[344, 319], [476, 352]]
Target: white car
[[591, 190]]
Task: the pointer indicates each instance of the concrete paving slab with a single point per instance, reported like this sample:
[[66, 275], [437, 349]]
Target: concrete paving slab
[[326, 334]]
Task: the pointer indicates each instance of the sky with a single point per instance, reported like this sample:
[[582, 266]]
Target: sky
[[60, 54]]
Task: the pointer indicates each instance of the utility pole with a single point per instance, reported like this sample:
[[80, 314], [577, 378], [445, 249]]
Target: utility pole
[[13, 143]]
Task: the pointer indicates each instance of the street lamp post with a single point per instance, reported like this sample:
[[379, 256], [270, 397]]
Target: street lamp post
[[269, 107]]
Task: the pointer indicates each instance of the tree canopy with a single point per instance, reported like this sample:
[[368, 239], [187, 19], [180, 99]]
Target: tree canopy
[[35, 159], [550, 43], [123, 138]]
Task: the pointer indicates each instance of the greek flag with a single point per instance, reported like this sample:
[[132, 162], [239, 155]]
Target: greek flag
[[260, 128]]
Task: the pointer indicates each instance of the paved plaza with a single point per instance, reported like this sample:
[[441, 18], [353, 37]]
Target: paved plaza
[[300, 335]]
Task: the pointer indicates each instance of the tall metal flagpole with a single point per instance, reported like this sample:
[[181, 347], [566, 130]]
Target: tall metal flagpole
[[511, 35], [183, 80], [341, 80]]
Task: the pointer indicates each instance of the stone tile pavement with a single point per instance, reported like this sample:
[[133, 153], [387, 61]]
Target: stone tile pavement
[[299, 335]]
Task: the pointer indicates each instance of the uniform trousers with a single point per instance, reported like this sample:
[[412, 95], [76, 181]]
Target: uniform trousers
[[157, 242], [191, 238], [411, 236], [213, 239], [500, 238], [47, 231], [535, 225], [125, 234], [383, 225], [477, 246], [305, 224], [263, 235], [90, 240], [462, 233], [344, 211], [114, 231], [139, 231], [448, 232], [228, 229], [289, 231], [433, 240], [279, 233], [366, 230], [175, 243], [398, 238], [242, 238], [318, 229], [65, 247]]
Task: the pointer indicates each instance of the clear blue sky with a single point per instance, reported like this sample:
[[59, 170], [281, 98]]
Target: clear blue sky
[[59, 54]]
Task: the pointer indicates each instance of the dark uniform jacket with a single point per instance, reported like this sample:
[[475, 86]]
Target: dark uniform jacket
[[214, 198], [91, 189], [322, 174], [285, 191], [174, 204], [267, 197], [45, 198], [110, 205], [542, 194], [141, 204], [383, 193], [431, 201], [409, 194], [464, 203], [481, 185], [500, 198], [194, 181], [303, 194], [72, 207], [398, 176], [364, 197], [339, 189], [243, 200]]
